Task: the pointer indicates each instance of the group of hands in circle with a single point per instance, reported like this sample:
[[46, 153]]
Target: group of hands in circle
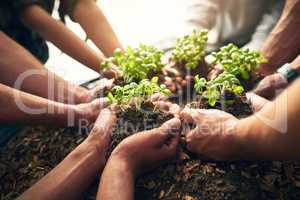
[[213, 135]]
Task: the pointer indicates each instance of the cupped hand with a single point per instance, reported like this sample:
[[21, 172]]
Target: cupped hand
[[87, 113], [146, 150], [175, 78], [113, 72], [268, 86], [214, 136]]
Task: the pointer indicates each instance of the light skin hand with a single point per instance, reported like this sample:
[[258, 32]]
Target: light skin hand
[[135, 155]]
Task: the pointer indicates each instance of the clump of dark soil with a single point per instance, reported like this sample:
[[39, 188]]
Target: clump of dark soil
[[132, 120], [235, 105]]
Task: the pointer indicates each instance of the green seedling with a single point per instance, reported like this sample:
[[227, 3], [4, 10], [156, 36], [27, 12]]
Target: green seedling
[[237, 61], [136, 93], [136, 63], [190, 49], [213, 89]]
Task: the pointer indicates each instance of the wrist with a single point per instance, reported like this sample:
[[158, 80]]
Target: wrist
[[89, 151], [255, 139], [122, 165]]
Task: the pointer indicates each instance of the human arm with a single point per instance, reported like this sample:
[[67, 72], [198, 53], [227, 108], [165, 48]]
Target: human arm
[[17, 65], [89, 15], [128, 161], [283, 43], [275, 82], [270, 134], [17, 107], [56, 32], [75, 173]]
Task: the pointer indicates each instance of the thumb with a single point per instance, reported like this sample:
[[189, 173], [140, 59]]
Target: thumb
[[173, 125], [161, 135], [256, 102], [191, 115]]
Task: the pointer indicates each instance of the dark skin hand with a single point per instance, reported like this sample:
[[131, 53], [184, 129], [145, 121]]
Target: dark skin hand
[[283, 44], [272, 133], [70, 179], [176, 78], [275, 82], [128, 161]]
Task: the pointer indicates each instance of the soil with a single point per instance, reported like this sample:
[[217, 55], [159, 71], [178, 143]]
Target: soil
[[132, 121], [36, 150]]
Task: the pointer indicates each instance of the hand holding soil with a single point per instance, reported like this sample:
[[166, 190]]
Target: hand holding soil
[[214, 136], [157, 145], [89, 111]]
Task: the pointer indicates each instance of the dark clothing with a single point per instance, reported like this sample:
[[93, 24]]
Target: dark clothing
[[12, 25]]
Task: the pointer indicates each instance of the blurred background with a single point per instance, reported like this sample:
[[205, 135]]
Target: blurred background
[[134, 21], [159, 22]]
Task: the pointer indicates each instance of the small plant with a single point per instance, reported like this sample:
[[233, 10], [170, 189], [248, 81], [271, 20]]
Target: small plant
[[136, 93], [212, 90], [136, 63], [190, 49], [239, 62]]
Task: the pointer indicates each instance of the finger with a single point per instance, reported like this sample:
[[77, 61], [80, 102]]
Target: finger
[[162, 105], [190, 115], [170, 150], [256, 102], [158, 97], [170, 127], [173, 72], [100, 103]]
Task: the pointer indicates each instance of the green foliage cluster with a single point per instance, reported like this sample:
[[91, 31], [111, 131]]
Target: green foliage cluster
[[136, 93], [190, 49], [213, 89], [136, 63], [239, 62]]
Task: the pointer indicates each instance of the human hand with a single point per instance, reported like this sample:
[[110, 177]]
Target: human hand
[[268, 86], [174, 78], [112, 72], [88, 112], [256, 102], [215, 71], [146, 150], [214, 136], [168, 107]]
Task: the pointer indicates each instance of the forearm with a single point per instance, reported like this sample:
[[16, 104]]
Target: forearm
[[57, 33], [17, 107], [88, 14], [71, 178], [273, 133], [283, 43], [18, 68], [117, 182]]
